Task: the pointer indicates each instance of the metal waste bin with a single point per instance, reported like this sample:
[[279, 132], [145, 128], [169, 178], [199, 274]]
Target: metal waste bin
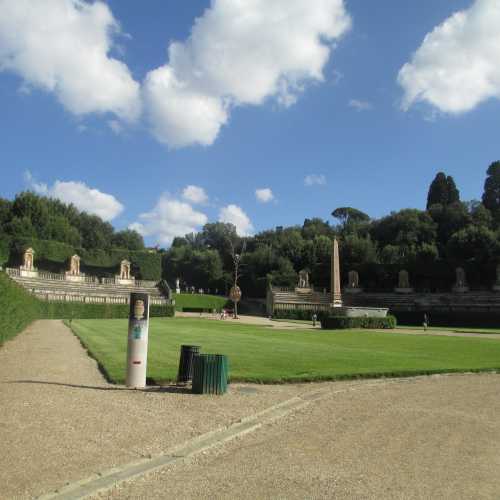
[[188, 352], [210, 374]]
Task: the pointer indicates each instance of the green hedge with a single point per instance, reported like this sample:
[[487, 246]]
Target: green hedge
[[17, 308], [4, 249], [345, 323], [199, 303], [294, 314], [54, 256], [78, 310]]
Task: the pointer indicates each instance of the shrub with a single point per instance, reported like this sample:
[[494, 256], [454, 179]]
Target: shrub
[[344, 322], [299, 314]]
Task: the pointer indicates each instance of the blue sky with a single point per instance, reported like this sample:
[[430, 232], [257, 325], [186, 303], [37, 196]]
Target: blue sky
[[306, 100]]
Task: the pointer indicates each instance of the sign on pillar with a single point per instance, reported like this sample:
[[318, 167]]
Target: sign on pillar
[[137, 350]]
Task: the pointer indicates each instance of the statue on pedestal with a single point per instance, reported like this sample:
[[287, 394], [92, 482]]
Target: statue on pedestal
[[303, 279], [73, 274], [125, 270], [403, 282], [28, 267], [353, 282], [28, 260], [461, 281], [177, 285]]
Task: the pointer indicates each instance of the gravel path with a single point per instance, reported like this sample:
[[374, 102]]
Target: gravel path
[[61, 421], [422, 438]]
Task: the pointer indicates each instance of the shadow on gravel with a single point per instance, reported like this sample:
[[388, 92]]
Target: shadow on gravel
[[172, 389]]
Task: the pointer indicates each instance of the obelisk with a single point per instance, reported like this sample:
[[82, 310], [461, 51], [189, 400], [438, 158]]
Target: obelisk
[[335, 277]]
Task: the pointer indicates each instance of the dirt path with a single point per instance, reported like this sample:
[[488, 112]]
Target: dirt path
[[433, 437], [60, 420]]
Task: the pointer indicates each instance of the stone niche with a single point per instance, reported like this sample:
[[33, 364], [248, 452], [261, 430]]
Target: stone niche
[[28, 269], [125, 278], [403, 283], [353, 283], [460, 282], [73, 273]]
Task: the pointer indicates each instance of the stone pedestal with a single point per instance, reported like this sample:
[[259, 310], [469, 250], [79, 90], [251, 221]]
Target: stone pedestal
[[28, 273], [123, 281], [496, 288], [353, 290], [460, 289], [403, 290], [75, 278]]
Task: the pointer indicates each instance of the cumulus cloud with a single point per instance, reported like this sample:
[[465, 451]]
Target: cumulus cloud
[[359, 105], [194, 194], [314, 180], [264, 195], [80, 195], [240, 53], [235, 215], [457, 66], [168, 219], [62, 46]]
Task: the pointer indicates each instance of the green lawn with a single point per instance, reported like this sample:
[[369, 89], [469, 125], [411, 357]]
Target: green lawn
[[261, 354]]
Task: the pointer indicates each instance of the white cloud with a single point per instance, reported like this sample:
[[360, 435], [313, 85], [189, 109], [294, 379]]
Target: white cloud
[[315, 180], [235, 215], [79, 194], [359, 105], [239, 53], [458, 64], [264, 195], [194, 194], [62, 46], [168, 219]]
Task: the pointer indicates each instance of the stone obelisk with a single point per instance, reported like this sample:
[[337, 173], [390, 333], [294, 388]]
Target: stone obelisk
[[335, 277]]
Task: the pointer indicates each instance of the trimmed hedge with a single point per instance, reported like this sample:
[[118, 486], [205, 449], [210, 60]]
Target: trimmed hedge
[[79, 310], [199, 303], [346, 323], [294, 314], [4, 249], [18, 308], [54, 256]]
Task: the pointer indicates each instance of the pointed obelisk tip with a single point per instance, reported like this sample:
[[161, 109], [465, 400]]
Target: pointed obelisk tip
[[335, 276]]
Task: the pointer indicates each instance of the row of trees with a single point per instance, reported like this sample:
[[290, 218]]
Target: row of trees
[[429, 243], [33, 216]]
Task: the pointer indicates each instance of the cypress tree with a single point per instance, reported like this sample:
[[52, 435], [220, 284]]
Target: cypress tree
[[438, 191], [453, 192], [491, 195]]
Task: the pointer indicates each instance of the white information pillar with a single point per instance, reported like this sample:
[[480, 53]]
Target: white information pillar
[[137, 350]]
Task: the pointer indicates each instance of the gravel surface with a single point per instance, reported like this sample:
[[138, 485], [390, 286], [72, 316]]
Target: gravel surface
[[427, 437], [61, 421]]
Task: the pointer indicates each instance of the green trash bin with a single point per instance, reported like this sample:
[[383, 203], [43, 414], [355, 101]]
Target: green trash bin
[[210, 374]]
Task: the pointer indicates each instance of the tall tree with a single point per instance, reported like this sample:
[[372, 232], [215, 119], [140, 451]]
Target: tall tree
[[453, 192], [442, 191], [350, 217], [491, 195]]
